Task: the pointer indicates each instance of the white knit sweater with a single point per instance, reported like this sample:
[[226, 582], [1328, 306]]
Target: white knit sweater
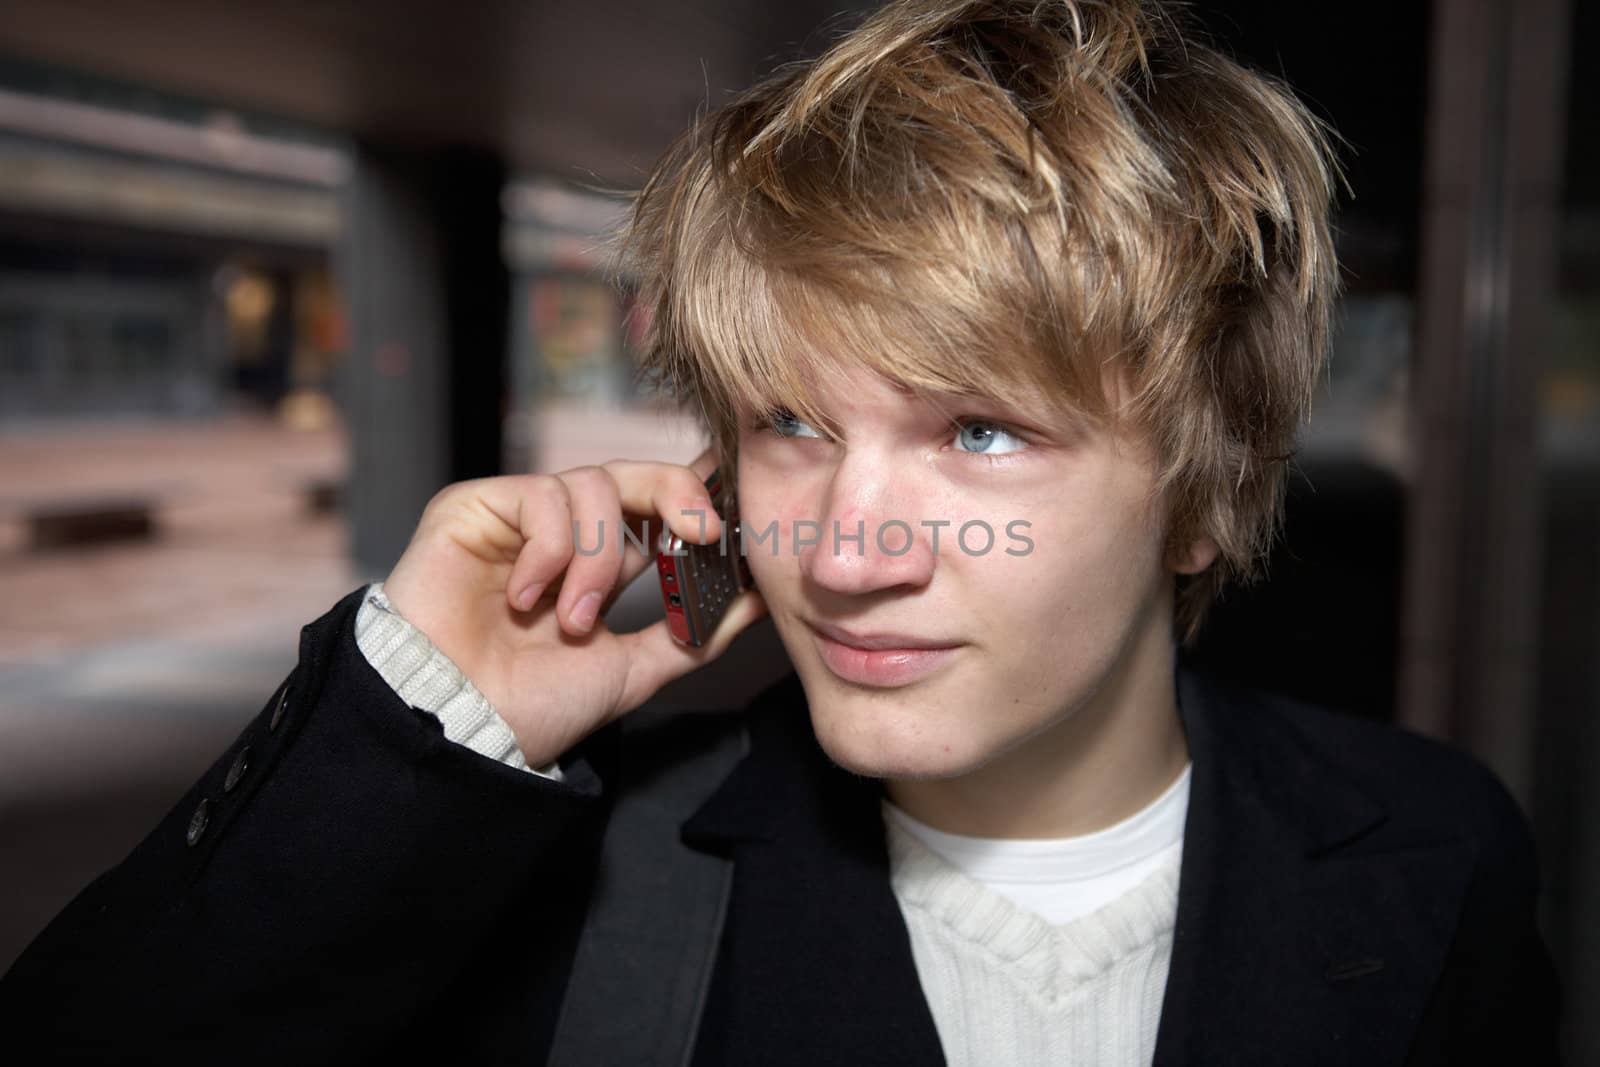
[[1004, 985], [426, 679]]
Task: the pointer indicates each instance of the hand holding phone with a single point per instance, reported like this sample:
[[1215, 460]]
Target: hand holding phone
[[494, 577]]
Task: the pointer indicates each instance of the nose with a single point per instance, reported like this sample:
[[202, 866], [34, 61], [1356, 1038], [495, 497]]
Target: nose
[[867, 537]]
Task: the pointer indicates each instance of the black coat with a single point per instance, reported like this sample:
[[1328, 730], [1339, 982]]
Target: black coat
[[1349, 894]]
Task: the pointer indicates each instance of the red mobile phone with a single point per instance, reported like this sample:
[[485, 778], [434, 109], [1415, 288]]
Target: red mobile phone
[[699, 581]]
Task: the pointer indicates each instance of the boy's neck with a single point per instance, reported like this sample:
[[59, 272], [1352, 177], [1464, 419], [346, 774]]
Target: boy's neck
[[1106, 761]]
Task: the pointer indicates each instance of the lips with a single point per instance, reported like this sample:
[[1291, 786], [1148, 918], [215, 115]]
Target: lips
[[879, 640], [881, 660]]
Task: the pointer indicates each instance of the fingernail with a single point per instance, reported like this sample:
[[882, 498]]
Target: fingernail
[[585, 610], [526, 598]]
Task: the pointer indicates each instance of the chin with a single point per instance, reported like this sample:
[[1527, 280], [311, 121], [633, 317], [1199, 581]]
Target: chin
[[892, 735]]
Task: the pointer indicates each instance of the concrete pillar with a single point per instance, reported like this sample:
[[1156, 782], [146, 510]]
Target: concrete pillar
[[423, 390]]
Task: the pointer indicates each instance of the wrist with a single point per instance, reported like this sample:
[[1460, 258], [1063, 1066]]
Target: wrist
[[427, 679]]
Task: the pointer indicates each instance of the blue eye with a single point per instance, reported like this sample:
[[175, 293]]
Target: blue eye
[[784, 424], [987, 438]]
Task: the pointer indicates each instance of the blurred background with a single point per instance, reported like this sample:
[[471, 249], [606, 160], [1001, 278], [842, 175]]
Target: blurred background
[[271, 274]]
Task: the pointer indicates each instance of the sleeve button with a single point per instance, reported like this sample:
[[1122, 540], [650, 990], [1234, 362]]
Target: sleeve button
[[197, 823], [241, 763], [277, 713]]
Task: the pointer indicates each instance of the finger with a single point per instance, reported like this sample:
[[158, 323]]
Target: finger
[[597, 544], [675, 493], [704, 463], [748, 608], [540, 507], [636, 560], [655, 657]]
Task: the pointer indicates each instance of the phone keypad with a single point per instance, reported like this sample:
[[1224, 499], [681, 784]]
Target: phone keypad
[[699, 581]]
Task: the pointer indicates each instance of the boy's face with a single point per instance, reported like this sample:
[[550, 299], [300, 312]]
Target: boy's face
[[1072, 593]]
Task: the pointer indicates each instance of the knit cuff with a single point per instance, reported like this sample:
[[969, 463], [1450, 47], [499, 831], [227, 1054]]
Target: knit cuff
[[427, 680]]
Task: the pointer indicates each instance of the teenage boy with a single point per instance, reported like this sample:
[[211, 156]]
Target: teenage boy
[[1002, 316]]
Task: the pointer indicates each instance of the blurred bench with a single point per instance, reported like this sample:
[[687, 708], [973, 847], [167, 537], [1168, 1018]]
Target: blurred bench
[[90, 520], [323, 496]]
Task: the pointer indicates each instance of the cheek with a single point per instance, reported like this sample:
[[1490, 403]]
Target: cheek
[[769, 566], [768, 509], [1021, 602], [1086, 565]]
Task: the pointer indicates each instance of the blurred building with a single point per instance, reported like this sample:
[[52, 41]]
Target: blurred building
[[575, 393], [158, 259]]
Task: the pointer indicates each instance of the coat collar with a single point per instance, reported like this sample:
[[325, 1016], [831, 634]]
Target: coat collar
[[1302, 933]]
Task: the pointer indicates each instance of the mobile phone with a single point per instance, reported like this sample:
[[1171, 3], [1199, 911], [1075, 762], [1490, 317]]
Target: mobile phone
[[698, 582]]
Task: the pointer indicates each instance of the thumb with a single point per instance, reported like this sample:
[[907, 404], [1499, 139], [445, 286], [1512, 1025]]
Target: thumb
[[655, 657]]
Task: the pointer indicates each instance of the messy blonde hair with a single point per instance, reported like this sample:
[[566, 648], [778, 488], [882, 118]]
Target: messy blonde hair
[[1007, 198]]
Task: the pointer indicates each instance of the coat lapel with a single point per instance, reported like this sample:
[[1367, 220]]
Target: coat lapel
[[1305, 933], [816, 965]]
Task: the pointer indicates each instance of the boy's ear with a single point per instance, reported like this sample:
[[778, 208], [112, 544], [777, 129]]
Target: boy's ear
[[1193, 557]]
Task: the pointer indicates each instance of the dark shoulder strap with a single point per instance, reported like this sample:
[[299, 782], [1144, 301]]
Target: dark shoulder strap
[[643, 964]]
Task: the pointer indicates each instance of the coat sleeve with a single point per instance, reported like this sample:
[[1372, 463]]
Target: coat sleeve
[[342, 885]]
